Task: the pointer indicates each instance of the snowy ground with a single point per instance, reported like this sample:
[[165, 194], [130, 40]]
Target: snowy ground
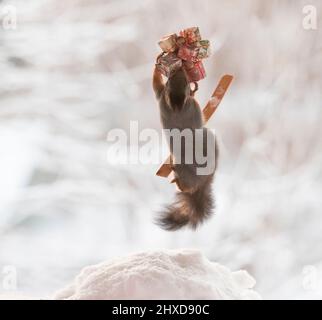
[[75, 69], [176, 274]]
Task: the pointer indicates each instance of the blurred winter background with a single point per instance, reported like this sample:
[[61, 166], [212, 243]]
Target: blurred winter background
[[72, 70]]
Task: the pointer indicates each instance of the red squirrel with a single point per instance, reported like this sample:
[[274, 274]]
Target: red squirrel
[[180, 111]]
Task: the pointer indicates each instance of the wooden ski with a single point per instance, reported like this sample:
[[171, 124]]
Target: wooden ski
[[208, 111]]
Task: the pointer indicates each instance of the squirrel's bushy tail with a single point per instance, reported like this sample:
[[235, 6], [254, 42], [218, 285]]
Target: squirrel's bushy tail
[[189, 209]]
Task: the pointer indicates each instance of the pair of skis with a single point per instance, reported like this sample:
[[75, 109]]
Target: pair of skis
[[208, 111]]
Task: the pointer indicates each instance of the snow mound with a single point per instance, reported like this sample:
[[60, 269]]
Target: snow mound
[[179, 274]]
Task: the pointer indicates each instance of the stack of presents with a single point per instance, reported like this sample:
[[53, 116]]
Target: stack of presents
[[185, 50]]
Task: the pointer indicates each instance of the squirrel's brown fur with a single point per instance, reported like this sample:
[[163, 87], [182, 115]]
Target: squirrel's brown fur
[[179, 110]]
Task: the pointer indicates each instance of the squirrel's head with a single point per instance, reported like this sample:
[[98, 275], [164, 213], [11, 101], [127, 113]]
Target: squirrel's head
[[177, 89]]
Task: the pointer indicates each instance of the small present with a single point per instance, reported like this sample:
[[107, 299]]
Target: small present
[[168, 63], [194, 71], [168, 43], [203, 53], [191, 34], [188, 53], [204, 49]]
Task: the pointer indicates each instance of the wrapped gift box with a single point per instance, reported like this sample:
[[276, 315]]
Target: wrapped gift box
[[204, 49], [168, 63], [191, 34], [188, 53], [194, 71], [168, 43], [203, 53]]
